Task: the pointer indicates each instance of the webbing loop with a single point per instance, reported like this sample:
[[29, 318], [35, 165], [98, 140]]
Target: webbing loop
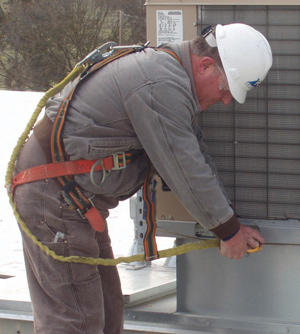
[[150, 246]]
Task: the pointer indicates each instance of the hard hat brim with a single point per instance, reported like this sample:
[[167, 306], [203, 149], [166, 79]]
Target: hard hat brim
[[238, 94]]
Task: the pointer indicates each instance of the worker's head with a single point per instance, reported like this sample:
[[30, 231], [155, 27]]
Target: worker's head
[[236, 56]]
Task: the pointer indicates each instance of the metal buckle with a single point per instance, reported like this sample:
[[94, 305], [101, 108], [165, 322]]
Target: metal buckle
[[81, 213], [117, 162]]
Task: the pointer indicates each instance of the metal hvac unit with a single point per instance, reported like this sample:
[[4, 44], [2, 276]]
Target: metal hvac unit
[[256, 146]]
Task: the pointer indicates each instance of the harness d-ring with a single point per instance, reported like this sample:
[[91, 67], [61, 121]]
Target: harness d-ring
[[104, 171]]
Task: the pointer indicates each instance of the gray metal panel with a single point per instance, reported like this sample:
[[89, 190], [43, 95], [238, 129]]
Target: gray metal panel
[[256, 146], [15, 317], [262, 287]]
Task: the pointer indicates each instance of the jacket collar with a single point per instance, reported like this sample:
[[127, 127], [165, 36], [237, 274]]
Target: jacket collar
[[183, 51]]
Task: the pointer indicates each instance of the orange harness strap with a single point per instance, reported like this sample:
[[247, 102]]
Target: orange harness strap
[[171, 53], [75, 167]]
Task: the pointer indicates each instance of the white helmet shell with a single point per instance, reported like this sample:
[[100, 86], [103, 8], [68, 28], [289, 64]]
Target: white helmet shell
[[246, 57]]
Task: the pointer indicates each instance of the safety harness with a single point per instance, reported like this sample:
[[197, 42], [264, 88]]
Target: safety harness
[[71, 190], [64, 170]]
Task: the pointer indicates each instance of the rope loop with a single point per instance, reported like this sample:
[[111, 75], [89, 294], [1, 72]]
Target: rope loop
[[79, 259]]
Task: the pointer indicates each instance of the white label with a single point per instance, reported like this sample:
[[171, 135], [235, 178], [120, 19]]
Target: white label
[[169, 26]]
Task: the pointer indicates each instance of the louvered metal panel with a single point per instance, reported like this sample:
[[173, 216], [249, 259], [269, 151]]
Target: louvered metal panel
[[256, 146]]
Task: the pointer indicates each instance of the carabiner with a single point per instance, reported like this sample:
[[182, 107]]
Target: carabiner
[[99, 54]]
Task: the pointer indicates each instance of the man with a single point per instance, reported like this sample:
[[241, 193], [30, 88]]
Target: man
[[146, 103]]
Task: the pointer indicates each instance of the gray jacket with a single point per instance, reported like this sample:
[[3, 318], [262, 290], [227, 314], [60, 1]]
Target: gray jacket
[[145, 101]]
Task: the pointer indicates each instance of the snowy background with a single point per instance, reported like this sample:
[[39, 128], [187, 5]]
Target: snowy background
[[16, 110]]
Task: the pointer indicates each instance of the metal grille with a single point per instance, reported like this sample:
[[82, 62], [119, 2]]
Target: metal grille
[[256, 146]]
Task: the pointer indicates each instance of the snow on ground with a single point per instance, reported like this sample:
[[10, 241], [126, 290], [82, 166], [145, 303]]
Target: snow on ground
[[16, 109]]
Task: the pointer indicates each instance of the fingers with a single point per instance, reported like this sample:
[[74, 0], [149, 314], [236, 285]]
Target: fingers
[[256, 240], [252, 243], [252, 237], [231, 254], [257, 236], [236, 247]]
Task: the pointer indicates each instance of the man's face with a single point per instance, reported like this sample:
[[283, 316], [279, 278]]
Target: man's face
[[211, 84]]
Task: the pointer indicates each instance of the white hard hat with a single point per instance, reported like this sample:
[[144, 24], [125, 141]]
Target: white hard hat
[[245, 54]]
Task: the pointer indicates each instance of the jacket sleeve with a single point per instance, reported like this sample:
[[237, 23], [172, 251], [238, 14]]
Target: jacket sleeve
[[161, 113], [204, 149]]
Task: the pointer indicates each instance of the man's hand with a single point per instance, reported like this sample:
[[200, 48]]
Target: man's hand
[[236, 247]]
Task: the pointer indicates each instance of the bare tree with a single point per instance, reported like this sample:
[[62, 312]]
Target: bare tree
[[134, 21], [44, 39]]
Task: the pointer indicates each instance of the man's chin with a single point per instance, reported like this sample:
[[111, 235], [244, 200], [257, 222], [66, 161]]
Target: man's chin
[[204, 107]]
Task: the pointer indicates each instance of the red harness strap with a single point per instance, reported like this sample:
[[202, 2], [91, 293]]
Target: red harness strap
[[75, 167]]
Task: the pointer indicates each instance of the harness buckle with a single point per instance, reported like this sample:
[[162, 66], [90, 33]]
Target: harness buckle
[[119, 160], [93, 216], [87, 208]]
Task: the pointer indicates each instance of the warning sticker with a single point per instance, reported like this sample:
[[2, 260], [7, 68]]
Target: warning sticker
[[169, 26]]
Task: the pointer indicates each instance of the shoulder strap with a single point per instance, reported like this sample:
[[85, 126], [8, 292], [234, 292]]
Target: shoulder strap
[[171, 53]]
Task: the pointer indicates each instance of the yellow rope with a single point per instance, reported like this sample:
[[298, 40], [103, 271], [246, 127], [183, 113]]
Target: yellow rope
[[51, 92], [204, 244], [80, 259]]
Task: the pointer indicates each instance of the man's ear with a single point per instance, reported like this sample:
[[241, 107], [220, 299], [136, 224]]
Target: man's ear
[[206, 65]]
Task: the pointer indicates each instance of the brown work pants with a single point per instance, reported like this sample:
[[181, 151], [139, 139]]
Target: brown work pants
[[67, 298]]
